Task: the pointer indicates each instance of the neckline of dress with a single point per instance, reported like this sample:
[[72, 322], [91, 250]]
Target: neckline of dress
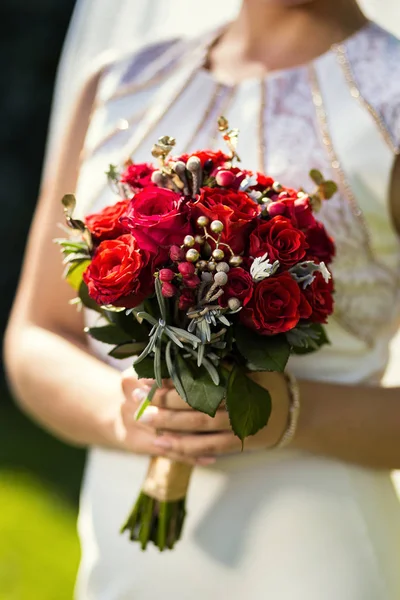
[[276, 73]]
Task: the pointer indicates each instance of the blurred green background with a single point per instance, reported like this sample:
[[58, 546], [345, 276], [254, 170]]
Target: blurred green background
[[39, 476]]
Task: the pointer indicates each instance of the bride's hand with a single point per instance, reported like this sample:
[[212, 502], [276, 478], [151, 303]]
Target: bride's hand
[[143, 437], [192, 436]]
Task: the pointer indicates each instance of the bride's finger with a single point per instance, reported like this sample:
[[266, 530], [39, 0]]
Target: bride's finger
[[185, 420], [195, 446]]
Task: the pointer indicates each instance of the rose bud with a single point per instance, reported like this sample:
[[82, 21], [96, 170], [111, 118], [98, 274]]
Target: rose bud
[[186, 269], [276, 208], [186, 299], [192, 282], [166, 275], [224, 178], [168, 290], [176, 253]]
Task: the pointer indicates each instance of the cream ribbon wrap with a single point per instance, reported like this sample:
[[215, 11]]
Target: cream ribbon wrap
[[167, 480]]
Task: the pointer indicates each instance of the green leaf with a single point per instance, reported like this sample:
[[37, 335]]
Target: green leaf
[[86, 300], [202, 394], [328, 189], [129, 324], [145, 369], [108, 334], [69, 204], [266, 353], [316, 176], [75, 273], [248, 404], [127, 350]]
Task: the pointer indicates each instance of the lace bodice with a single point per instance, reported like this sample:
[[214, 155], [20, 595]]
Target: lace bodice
[[339, 114]]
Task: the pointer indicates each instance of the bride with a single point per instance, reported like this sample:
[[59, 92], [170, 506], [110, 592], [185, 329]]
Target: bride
[[309, 84]]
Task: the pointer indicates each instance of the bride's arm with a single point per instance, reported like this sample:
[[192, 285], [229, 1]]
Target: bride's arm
[[54, 377]]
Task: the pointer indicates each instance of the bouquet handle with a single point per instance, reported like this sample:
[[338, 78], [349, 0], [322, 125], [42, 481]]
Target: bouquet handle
[[159, 512]]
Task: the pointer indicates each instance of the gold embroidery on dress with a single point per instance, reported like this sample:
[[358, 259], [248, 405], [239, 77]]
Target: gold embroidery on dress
[[208, 111], [370, 286], [343, 60]]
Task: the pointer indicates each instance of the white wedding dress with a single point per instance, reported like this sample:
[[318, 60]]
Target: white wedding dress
[[277, 525]]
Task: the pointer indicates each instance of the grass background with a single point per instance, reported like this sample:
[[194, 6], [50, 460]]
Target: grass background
[[39, 490]]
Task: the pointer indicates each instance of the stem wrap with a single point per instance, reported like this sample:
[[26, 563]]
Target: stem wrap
[[167, 480]]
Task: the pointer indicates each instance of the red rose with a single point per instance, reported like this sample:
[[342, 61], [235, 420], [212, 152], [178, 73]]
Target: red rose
[[105, 225], [280, 240], [236, 211], [119, 273], [218, 157], [138, 176], [158, 218], [321, 246], [319, 296], [298, 210], [274, 307], [263, 182], [240, 286]]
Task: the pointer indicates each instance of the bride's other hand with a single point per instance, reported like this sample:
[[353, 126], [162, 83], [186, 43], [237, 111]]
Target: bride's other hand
[[190, 436]]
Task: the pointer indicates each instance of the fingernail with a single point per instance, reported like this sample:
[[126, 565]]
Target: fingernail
[[148, 414], [207, 460], [163, 443], [140, 394]]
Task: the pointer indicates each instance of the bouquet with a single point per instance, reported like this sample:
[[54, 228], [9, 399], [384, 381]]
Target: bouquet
[[206, 272]]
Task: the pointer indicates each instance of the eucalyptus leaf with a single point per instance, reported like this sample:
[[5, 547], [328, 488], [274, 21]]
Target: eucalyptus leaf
[[157, 363], [202, 394], [248, 404], [266, 353], [172, 370], [185, 335], [161, 299], [146, 317], [168, 332], [149, 348], [308, 338]]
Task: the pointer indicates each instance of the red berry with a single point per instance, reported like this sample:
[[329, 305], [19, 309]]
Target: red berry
[[192, 282], [276, 208], [225, 178], [176, 253], [166, 275], [168, 290], [186, 269]]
